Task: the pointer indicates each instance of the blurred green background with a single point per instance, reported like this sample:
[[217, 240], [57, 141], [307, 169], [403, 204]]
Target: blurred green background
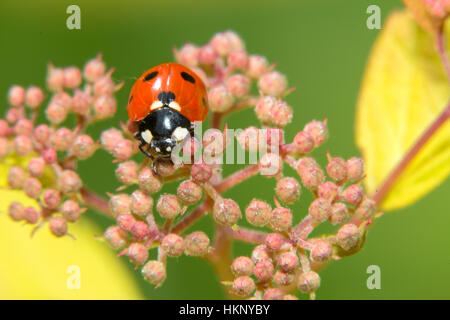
[[322, 47]]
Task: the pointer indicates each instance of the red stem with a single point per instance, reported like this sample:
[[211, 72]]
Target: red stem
[[237, 178], [96, 202]]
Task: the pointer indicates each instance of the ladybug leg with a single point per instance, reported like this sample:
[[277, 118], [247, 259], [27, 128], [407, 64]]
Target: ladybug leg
[[191, 131], [141, 147]]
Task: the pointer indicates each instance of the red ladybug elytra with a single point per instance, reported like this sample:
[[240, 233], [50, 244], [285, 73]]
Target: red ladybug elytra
[[165, 101]]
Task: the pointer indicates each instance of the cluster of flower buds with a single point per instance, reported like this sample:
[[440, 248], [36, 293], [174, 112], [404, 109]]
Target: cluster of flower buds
[[145, 219], [46, 155]]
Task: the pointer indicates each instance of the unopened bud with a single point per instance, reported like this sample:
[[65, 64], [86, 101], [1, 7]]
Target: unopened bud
[[258, 213], [173, 245], [226, 212]]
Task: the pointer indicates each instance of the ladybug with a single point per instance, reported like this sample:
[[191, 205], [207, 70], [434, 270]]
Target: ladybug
[[165, 101]]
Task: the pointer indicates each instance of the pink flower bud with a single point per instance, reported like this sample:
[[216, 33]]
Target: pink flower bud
[[56, 113], [109, 138], [16, 96], [165, 168], [248, 139], [226, 212], [23, 145], [355, 169], [83, 147], [94, 69], [282, 279], [280, 114], [303, 142], [320, 209], [189, 192], [139, 230], [125, 220], [321, 251], [5, 147], [337, 169], [281, 219], [312, 176], [238, 60], [148, 182], [31, 215], [13, 115], [328, 190], [127, 172], [242, 266], [243, 286], [220, 99], [287, 261], [263, 107], [70, 210], [105, 107], [16, 211], [154, 272], [348, 236], [273, 294], [201, 172], [197, 244], [173, 245], [69, 181], [366, 209], [353, 194], [24, 126], [258, 213], [137, 253], [72, 77], [263, 270], [188, 55], [81, 103], [32, 188], [62, 139], [116, 237], [235, 40], [274, 242], [256, 66], [318, 130], [5, 130], [42, 134], [55, 78], [221, 44], [168, 206], [288, 190], [16, 177], [272, 83], [308, 282], [274, 138], [238, 85], [104, 86], [270, 164], [141, 204], [50, 156], [123, 150], [36, 167], [34, 97], [120, 204], [339, 213], [260, 253], [58, 226], [207, 55]]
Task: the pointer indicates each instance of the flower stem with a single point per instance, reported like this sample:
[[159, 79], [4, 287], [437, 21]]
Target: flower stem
[[96, 202]]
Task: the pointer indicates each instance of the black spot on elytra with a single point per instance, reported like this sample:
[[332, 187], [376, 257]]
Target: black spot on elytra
[[204, 101], [131, 99], [150, 76], [166, 97], [187, 77]]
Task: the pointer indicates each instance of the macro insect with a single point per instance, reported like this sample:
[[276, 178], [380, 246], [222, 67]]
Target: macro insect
[[164, 102]]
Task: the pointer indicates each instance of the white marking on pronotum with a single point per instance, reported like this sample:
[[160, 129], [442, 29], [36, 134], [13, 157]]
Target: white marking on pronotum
[[168, 149], [147, 136], [156, 105], [158, 149], [180, 133], [174, 106]]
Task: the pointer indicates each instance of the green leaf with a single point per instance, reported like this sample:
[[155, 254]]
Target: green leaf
[[404, 89]]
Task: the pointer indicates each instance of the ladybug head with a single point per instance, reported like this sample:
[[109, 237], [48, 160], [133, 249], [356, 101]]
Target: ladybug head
[[163, 129]]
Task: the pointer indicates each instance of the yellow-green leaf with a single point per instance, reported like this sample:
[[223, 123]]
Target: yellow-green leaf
[[404, 89], [46, 267]]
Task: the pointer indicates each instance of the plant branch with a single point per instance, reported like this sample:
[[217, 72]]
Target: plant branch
[[381, 193], [237, 178], [96, 202], [247, 235]]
